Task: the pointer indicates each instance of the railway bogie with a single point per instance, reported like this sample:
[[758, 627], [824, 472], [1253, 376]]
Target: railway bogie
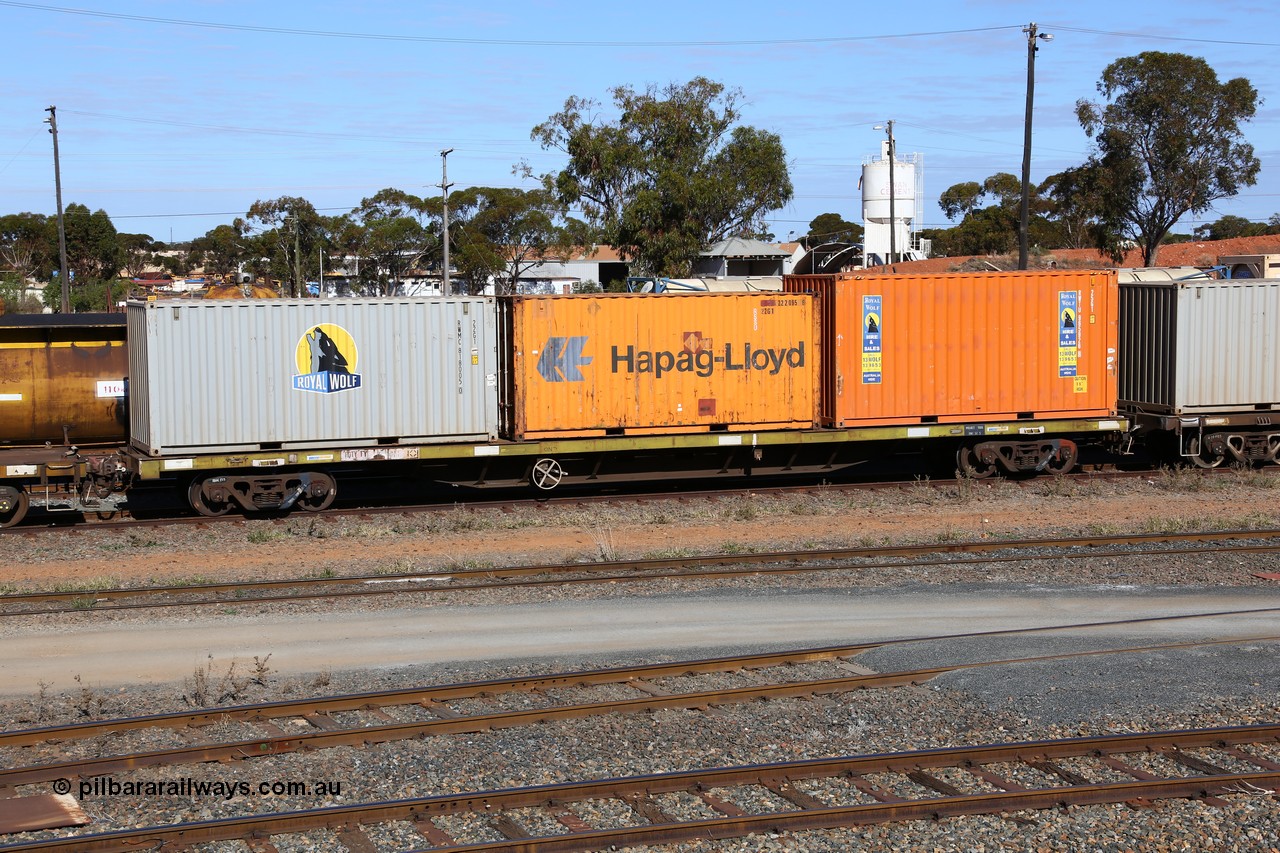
[[217, 495]]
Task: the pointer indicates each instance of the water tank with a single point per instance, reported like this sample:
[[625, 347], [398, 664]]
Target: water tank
[[875, 191]]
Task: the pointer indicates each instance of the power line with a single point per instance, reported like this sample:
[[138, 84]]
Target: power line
[[271, 131], [333, 34], [1155, 37], [294, 31]]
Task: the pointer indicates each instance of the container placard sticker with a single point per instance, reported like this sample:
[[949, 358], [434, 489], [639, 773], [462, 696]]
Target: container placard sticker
[[872, 323], [1068, 349], [111, 388], [325, 356]]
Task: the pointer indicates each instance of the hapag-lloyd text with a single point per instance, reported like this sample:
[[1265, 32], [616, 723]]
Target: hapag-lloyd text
[[704, 362]]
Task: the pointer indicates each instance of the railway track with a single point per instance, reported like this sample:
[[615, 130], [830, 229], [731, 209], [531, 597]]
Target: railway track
[[702, 567], [275, 728], [727, 802]]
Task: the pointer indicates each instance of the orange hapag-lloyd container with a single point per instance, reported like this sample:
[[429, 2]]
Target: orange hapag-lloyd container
[[952, 347], [619, 364]]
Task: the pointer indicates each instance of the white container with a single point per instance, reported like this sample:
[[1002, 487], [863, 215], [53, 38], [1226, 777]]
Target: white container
[[1200, 346], [266, 374]]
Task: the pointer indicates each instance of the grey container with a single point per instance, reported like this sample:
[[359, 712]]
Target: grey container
[[267, 374], [1200, 346]]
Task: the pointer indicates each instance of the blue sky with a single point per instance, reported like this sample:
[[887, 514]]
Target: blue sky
[[175, 117]]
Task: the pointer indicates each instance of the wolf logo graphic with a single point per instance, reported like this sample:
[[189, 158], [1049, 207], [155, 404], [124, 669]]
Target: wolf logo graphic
[[325, 356], [326, 359]]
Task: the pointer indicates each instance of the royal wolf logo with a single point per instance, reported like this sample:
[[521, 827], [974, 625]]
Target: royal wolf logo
[[326, 360]]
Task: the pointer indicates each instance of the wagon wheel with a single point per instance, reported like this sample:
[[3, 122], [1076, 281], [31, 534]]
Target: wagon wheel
[[547, 474], [1062, 460], [1210, 461], [16, 507], [968, 464], [1202, 459], [207, 508], [320, 495]]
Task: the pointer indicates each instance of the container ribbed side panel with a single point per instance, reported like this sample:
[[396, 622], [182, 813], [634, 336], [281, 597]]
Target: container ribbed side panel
[[1228, 353], [260, 374], [1148, 342], [950, 347]]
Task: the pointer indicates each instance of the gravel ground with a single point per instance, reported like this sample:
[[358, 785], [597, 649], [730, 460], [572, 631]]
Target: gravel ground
[[1231, 685]]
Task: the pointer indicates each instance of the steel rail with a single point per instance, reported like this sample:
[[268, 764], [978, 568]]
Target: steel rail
[[332, 735], [634, 570], [580, 678], [498, 807], [60, 523]]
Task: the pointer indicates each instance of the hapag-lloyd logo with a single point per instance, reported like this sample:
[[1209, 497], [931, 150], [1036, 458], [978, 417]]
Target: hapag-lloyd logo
[[562, 358], [326, 359]]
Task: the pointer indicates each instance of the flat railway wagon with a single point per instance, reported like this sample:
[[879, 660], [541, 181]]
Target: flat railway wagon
[[1200, 368], [271, 404], [62, 410], [1019, 366]]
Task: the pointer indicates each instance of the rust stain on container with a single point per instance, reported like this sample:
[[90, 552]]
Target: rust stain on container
[[951, 347], [617, 364], [57, 378]]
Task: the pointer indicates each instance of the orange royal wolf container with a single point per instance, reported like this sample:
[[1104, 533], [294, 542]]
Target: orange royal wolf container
[[953, 347], [626, 364]]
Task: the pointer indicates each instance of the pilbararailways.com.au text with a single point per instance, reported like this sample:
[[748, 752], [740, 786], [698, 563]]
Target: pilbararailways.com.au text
[[107, 786]]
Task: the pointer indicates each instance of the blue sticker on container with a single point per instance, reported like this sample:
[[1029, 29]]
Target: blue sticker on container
[[1068, 346], [872, 326]]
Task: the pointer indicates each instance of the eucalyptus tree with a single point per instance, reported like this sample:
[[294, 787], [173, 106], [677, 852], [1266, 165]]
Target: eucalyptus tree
[[671, 174], [1167, 142], [284, 231]]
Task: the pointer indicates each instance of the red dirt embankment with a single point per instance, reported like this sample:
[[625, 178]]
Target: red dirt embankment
[[1201, 253]]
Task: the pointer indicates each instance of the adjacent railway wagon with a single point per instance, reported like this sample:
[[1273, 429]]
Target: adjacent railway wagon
[[62, 410], [62, 379], [271, 404], [1200, 368]]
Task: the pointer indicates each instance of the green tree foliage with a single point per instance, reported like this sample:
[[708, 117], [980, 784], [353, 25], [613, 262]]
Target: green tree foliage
[[25, 243], [286, 231], [506, 232], [832, 227], [220, 251], [138, 251], [1229, 227], [85, 295], [1167, 142], [16, 299], [94, 251], [390, 233], [1077, 206], [988, 230], [671, 175], [959, 200]]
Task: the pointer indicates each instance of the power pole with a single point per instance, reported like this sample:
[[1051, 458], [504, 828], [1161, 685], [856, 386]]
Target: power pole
[[52, 121], [1024, 217], [444, 188], [887, 127], [893, 193], [297, 258]]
